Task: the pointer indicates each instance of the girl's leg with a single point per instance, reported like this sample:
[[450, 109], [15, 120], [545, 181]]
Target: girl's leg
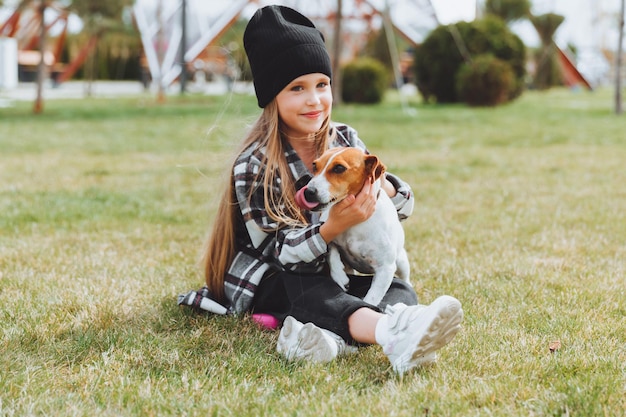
[[319, 300], [270, 298], [408, 334], [399, 291], [362, 325]]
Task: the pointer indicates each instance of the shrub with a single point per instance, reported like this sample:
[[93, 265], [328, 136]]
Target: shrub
[[364, 81], [438, 59], [508, 10], [486, 81], [548, 70]]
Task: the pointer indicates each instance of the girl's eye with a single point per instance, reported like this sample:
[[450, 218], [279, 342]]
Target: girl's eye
[[296, 88], [322, 85], [339, 169]]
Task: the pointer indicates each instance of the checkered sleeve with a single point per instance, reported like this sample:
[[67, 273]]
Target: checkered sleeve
[[403, 200], [293, 248], [302, 249]]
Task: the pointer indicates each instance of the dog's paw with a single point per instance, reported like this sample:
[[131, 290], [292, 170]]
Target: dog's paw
[[342, 280], [373, 299]]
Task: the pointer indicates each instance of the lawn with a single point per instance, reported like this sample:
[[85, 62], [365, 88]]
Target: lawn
[[105, 204]]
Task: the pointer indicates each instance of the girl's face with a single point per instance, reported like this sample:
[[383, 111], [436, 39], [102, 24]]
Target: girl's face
[[304, 104]]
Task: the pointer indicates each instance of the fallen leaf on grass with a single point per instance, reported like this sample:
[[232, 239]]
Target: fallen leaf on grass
[[555, 345]]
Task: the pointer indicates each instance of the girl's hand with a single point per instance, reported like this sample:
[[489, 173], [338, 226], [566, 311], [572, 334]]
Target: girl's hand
[[350, 211]]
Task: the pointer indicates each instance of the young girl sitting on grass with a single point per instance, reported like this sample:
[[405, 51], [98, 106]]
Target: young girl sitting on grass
[[266, 255]]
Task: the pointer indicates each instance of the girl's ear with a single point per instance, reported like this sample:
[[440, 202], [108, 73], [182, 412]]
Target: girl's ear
[[373, 166]]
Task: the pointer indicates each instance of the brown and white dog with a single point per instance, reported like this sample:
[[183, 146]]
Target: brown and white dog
[[375, 246]]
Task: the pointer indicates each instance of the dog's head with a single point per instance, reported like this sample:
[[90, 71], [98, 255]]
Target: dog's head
[[338, 173]]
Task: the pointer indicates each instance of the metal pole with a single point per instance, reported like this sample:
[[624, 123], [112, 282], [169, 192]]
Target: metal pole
[[618, 62], [160, 52], [337, 55], [183, 47], [393, 53]]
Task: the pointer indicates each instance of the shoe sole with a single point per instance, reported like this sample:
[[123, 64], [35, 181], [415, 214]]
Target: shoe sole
[[315, 345], [287, 339], [305, 342], [441, 329]]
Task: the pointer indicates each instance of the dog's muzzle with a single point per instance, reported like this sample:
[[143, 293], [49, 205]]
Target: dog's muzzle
[[306, 198]]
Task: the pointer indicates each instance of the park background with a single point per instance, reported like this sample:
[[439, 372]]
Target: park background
[[107, 194]]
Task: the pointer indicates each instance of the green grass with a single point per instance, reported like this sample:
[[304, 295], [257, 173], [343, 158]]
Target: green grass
[[104, 206]]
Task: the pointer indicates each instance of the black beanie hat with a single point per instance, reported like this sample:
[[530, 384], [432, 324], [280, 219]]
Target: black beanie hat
[[282, 45]]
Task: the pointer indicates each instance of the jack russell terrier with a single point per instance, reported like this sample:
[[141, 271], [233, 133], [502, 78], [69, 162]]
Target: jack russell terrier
[[375, 246]]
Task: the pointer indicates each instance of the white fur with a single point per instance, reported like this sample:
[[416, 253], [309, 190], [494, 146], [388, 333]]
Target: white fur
[[375, 246]]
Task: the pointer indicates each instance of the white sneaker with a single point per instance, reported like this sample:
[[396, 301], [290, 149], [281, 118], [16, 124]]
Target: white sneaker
[[412, 334], [429, 358], [288, 337], [309, 342]]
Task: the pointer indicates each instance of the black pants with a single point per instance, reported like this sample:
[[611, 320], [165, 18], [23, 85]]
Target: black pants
[[319, 300]]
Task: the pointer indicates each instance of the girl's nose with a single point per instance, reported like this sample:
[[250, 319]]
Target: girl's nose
[[313, 98]]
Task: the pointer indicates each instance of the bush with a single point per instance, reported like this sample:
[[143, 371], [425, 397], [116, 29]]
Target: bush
[[364, 81], [508, 10], [548, 69], [438, 59], [486, 81]]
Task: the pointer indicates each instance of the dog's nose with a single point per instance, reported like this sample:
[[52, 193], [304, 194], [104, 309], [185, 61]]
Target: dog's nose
[[310, 194]]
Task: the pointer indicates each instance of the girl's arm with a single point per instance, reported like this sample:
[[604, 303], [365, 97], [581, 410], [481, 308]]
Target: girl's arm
[[309, 244], [294, 248]]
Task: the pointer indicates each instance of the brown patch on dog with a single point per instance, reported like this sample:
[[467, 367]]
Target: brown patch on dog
[[347, 169]]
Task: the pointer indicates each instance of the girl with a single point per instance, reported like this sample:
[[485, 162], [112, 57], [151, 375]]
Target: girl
[[266, 255]]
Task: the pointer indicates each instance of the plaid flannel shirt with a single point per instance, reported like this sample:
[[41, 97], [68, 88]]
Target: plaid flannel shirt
[[263, 246]]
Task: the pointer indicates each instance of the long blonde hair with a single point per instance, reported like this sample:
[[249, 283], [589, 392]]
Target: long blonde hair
[[281, 207]]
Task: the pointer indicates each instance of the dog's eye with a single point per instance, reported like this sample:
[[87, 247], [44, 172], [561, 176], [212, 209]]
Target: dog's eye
[[314, 167], [339, 169]]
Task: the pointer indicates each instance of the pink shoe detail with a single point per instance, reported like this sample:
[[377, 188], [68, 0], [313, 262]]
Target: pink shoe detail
[[266, 321]]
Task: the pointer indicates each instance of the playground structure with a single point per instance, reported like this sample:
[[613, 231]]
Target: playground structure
[[24, 25], [179, 34], [572, 77]]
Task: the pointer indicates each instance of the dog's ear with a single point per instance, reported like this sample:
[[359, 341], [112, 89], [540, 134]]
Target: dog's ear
[[374, 167], [379, 171]]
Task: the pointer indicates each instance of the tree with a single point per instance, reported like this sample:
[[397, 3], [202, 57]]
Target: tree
[[109, 9], [379, 46], [548, 73], [508, 10], [41, 67], [443, 52], [98, 16]]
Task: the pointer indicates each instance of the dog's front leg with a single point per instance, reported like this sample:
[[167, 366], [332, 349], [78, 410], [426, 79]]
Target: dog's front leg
[[403, 267], [380, 284], [337, 271]]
